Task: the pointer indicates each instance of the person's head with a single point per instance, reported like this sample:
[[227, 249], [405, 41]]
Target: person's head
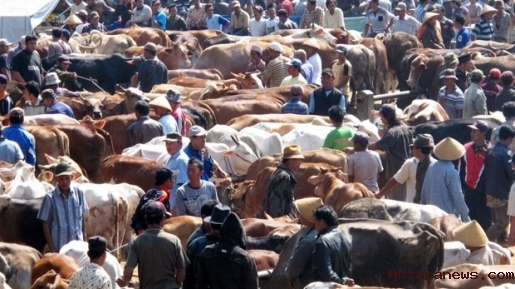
[[476, 76], [255, 53], [31, 90], [97, 249], [195, 170], [508, 109], [507, 78], [63, 175], [156, 4], [296, 91], [82, 14], [77, 2], [305, 207], [331, 5], [283, 15], [5, 45], [16, 116], [294, 67], [217, 217], [327, 78], [311, 5], [449, 77], [388, 115], [423, 2], [210, 10], [422, 146], [478, 131], [336, 115], [172, 10], [450, 60], [431, 18], [149, 50], [30, 43], [48, 97], [465, 62], [494, 75], [101, 7], [52, 80], [275, 50], [292, 157], [270, 10], [57, 33], [197, 135], [236, 7], [207, 208], [311, 46], [459, 22], [300, 54], [449, 149], [499, 6], [63, 62], [139, 3], [373, 4], [66, 36], [72, 22], [488, 12], [341, 51], [173, 143], [161, 106], [141, 108], [3, 83], [506, 134], [155, 213], [324, 217], [164, 178], [94, 18], [401, 10], [455, 4], [360, 141], [258, 12]]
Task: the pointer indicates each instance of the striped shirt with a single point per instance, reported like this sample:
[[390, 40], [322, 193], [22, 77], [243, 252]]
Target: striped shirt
[[276, 70], [483, 30], [453, 101], [295, 106], [64, 215]]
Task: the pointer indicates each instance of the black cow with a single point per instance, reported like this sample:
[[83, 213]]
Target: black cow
[[107, 70], [270, 243]]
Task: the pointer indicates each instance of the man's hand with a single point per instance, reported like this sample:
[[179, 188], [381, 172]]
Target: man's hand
[[350, 282], [74, 75], [121, 282], [205, 152]]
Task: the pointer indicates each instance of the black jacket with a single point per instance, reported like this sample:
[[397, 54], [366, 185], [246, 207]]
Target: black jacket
[[331, 258]]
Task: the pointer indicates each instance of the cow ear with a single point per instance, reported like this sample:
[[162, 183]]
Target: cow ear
[[110, 106], [51, 159], [320, 31], [313, 180], [5, 122], [228, 153], [99, 123], [47, 176], [268, 217], [78, 104]]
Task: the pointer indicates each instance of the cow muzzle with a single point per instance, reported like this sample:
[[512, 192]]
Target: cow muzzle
[[97, 114]]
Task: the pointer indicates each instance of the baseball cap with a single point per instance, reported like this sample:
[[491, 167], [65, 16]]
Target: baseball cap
[[328, 71], [196, 131], [155, 209], [494, 73], [63, 169], [295, 62], [479, 125], [341, 48], [5, 42], [64, 59], [173, 137]]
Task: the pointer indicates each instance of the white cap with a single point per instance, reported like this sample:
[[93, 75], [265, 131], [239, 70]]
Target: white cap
[[256, 49], [275, 46]]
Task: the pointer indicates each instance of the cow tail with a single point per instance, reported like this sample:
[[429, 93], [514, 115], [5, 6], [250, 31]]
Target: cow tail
[[63, 142], [116, 209]]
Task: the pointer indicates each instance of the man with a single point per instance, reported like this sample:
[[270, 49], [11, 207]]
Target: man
[[420, 10], [76, 6], [312, 47], [294, 74], [162, 110], [280, 191], [61, 68], [472, 177], [377, 19], [511, 208], [396, 143], [58, 46], [163, 183], [205, 211], [492, 88], [446, 26], [286, 5], [474, 96], [463, 34], [331, 257], [180, 117], [475, 240], [33, 103], [508, 90], [294, 104], [10, 151], [160, 258], [18, 134], [257, 25], [299, 270], [483, 30], [141, 15], [326, 96], [215, 21], [339, 137], [197, 149], [105, 11], [62, 211], [312, 15], [277, 68], [83, 16], [508, 111], [158, 19], [272, 23], [94, 23], [93, 275], [215, 221], [499, 176], [52, 82], [12, 52], [152, 71], [403, 22], [458, 9], [5, 65], [501, 23], [342, 69], [196, 18], [196, 191], [431, 36], [177, 162], [306, 70], [227, 264], [175, 21], [474, 9], [256, 64], [26, 65], [414, 169], [53, 106], [284, 22], [333, 16], [6, 103], [364, 165], [442, 186], [144, 129], [465, 65], [239, 20]]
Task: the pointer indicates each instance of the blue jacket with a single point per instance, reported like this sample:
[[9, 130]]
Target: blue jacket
[[208, 163], [60, 107], [24, 139]]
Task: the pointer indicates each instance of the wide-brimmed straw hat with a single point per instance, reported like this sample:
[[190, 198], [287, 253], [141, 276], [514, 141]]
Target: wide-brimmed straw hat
[[292, 152], [306, 207], [311, 42], [161, 102], [449, 149], [471, 234], [73, 20], [429, 15], [449, 73], [488, 9]]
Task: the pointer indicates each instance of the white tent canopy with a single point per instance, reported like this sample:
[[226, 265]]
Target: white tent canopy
[[19, 17]]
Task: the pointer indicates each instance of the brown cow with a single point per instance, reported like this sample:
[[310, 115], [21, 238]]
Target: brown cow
[[116, 126], [446, 224], [49, 141], [200, 35], [226, 110], [264, 259], [83, 106], [210, 73], [174, 56], [182, 227], [337, 193], [259, 227], [144, 35], [50, 280], [381, 69], [243, 81], [126, 169], [61, 264]]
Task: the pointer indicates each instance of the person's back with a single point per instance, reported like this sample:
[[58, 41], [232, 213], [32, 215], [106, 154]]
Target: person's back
[[365, 166], [145, 128], [15, 132], [338, 138], [60, 107], [10, 151]]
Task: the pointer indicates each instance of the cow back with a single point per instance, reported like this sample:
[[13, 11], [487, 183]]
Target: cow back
[[64, 265], [19, 223], [127, 169], [49, 140], [21, 259]]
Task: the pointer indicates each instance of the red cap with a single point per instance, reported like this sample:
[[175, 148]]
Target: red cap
[[495, 73]]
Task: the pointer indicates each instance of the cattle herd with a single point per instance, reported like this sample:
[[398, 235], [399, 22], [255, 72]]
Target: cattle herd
[[246, 136]]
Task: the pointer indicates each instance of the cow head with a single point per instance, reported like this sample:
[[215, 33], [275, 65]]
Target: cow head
[[248, 80], [50, 280], [93, 106], [131, 95], [175, 57], [21, 169], [214, 90], [240, 157], [323, 180], [418, 65], [47, 174]]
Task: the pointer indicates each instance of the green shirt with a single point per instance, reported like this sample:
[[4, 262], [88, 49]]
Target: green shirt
[[338, 139]]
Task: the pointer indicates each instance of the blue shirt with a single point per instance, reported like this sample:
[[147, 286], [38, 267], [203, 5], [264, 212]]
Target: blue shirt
[[216, 22], [327, 92], [169, 124], [161, 19], [462, 38], [307, 71], [60, 107], [178, 162], [208, 163], [442, 188], [295, 106], [10, 151], [24, 139]]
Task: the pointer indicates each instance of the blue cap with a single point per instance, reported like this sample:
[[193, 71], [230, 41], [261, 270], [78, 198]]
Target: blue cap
[[295, 62]]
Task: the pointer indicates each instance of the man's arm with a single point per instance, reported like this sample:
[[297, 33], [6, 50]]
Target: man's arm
[[179, 275], [48, 237], [300, 257], [127, 276], [17, 76], [392, 183], [322, 264]]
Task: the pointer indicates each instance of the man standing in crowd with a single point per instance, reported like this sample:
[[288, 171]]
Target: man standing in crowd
[[141, 15], [326, 96], [280, 191], [492, 88], [462, 33], [94, 23], [155, 246], [152, 71], [175, 21], [465, 65], [158, 19], [339, 138], [342, 69], [54, 106], [284, 22], [92, 275], [377, 20], [294, 104], [277, 68], [507, 93], [294, 74], [215, 21], [306, 70], [403, 22], [180, 117], [333, 16], [364, 165], [239, 20], [163, 110], [197, 149], [18, 134], [178, 162], [256, 64], [33, 103], [312, 47], [474, 97], [6, 103], [26, 65], [196, 191], [10, 152], [450, 95], [272, 21], [58, 46], [257, 25], [61, 69], [471, 174], [196, 18], [508, 111], [483, 30], [205, 211], [145, 128], [501, 23], [64, 200], [312, 15]]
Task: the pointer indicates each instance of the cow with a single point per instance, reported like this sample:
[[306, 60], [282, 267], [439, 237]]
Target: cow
[[208, 74], [48, 119], [273, 243], [130, 97], [474, 276], [175, 56], [10, 171], [308, 137], [424, 69], [363, 62], [136, 171], [144, 35], [259, 227], [335, 192], [391, 210], [264, 259], [490, 45], [423, 111], [200, 35], [226, 110], [50, 141], [63, 265], [108, 44], [397, 44], [82, 106], [116, 126], [106, 70], [3, 282], [446, 224], [182, 227], [248, 120], [381, 68], [244, 81], [50, 280], [485, 64], [16, 263]]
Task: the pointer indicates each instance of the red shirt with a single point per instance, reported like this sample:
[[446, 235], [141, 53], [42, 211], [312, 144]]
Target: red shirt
[[286, 5], [491, 89], [474, 164]]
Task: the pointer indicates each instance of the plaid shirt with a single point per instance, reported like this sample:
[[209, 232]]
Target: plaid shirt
[[64, 215], [295, 106], [196, 18], [316, 16]]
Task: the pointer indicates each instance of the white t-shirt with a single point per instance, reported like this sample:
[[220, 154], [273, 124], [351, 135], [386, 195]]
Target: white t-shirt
[[257, 28], [272, 25], [316, 61], [408, 174], [364, 166]]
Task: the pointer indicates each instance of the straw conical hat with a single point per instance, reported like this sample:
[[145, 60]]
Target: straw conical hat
[[311, 42], [73, 20], [471, 234], [306, 207], [429, 15], [161, 102], [488, 9], [449, 149]]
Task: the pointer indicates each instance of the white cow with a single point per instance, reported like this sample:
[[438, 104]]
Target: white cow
[[21, 168], [309, 137], [454, 254], [3, 284], [24, 185], [262, 142], [78, 250]]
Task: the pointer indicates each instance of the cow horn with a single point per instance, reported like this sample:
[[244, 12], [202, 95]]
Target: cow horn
[[82, 97], [118, 86], [235, 139]]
